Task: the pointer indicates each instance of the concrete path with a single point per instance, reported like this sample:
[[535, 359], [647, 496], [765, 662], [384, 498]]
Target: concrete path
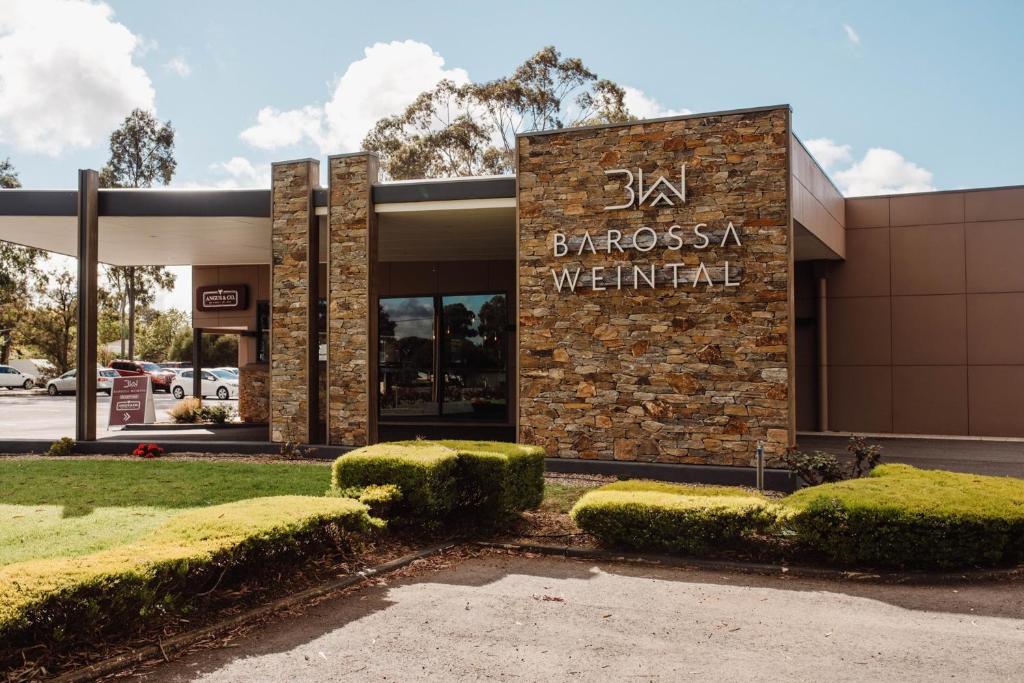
[[542, 619]]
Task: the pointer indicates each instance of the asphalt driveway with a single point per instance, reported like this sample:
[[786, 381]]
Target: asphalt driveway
[[510, 617]]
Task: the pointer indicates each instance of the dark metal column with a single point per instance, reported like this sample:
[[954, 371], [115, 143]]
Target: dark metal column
[[88, 266], [313, 322], [197, 362]]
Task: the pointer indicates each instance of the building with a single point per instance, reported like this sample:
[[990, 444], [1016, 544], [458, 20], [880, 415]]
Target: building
[[676, 290]]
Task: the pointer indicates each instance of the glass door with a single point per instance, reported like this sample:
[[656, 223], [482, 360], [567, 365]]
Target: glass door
[[443, 356]]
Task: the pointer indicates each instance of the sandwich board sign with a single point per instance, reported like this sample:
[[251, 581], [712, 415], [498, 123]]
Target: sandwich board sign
[[131, 402]]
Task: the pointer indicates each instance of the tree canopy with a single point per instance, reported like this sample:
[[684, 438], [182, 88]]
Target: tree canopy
[[470, 129]]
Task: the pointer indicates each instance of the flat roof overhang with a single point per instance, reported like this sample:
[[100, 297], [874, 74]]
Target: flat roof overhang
[[229, 227]]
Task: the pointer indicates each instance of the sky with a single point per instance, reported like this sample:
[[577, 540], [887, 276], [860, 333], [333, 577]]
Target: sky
[[889, 96]]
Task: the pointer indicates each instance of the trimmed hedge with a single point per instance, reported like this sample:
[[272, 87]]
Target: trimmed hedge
[[648, 515], [898, 516], [438, 479], [907, 517], [72, 601]]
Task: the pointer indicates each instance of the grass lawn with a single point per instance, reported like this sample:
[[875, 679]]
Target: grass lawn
[[60, 508]]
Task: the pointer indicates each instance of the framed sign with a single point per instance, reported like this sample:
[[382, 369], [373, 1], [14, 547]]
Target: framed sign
[[222, 297], [131, 402]]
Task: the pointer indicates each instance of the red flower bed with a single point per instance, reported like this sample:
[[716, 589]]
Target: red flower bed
[[148, 450]]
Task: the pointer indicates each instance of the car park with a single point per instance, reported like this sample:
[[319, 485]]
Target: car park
[[218, 382], [12, 378], [68, 383], [161, 378]]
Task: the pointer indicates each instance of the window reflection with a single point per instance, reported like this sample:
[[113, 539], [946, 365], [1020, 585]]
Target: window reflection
[[474, 363], [406, 356]]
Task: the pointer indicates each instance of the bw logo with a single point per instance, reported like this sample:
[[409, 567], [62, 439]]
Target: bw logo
[[667, 193]]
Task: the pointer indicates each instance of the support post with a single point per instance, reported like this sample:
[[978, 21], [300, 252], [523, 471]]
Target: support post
[[88, 266], [197, 362], [822, 328]]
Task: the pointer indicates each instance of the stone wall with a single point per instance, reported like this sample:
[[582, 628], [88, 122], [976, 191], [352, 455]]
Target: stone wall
[[254, 393], [351, 217], [291, 183], [677, 374]]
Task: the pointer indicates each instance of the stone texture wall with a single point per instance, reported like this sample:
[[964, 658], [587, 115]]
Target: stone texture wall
[[291, 183], [348, 354], [678, 375], [254, 393]]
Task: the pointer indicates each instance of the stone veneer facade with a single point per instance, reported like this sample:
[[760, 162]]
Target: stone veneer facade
[[351, 242], [687, 375], [292, 183]]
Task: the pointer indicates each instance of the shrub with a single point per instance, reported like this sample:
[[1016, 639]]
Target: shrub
[[379, 499], [819, 467], [148, 450], [657, 516], [902, 516], [217, 414], [77, 601], [188, 410], [61, 447], [437, 479], [424, 473]]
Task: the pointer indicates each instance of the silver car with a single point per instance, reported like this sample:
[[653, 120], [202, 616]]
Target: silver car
[[67, 383]]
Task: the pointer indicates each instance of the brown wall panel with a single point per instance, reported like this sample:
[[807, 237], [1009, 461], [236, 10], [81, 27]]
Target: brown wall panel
[[865, 272], [929, 330], [859, 331], [860, 398], [927, 209], [996, 400], [994, 205], [930, 399], [994, 256], [995, 329], [867, 212], [928, 259]]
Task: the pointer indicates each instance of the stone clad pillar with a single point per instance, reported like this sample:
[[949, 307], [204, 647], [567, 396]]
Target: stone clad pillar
[[292, 184], [351, 324]]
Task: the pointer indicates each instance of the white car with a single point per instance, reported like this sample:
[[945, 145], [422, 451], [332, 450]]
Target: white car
[[15, 379], [233, 371], [219, 383], [67, 383]]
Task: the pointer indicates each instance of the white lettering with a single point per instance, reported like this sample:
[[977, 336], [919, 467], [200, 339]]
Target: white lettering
[[627, 186], [675, 273], [613, 238], [647, 231], [639, 273], [728, 282], [672, 235], [728, 230], [587, 241], [565, 280], [707, 275], [704, 244], [561, 248], [595, 277]]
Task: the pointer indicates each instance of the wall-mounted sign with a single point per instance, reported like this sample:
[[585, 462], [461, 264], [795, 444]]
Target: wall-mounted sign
[[638, 194], [131, 402], [222, 297]]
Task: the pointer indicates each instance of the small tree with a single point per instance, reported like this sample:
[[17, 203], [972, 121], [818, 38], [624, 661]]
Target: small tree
[[141, 154], [19, 266], [158, 331], [462, 130], [53, 323]]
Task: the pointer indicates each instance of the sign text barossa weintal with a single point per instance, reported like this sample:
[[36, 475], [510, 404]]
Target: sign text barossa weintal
[[658, 194]]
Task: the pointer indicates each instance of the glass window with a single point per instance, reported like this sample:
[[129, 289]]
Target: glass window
[[187, 374], [405, 328], [474, 355]]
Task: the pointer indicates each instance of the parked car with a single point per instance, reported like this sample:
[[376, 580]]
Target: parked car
[[219, 383], [15, 379], [38, 369], [67, 383], [162, 378]]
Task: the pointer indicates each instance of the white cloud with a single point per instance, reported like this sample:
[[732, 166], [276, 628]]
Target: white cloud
[[827, 152], [386, 80], [179, 66], [642, 106], [851, 35], [66, 74], [883, 171], [180, 296], [235, 173]]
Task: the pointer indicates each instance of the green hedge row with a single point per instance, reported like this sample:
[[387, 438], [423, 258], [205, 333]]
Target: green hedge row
[[898, 516], [437, 479], [72, 602]]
